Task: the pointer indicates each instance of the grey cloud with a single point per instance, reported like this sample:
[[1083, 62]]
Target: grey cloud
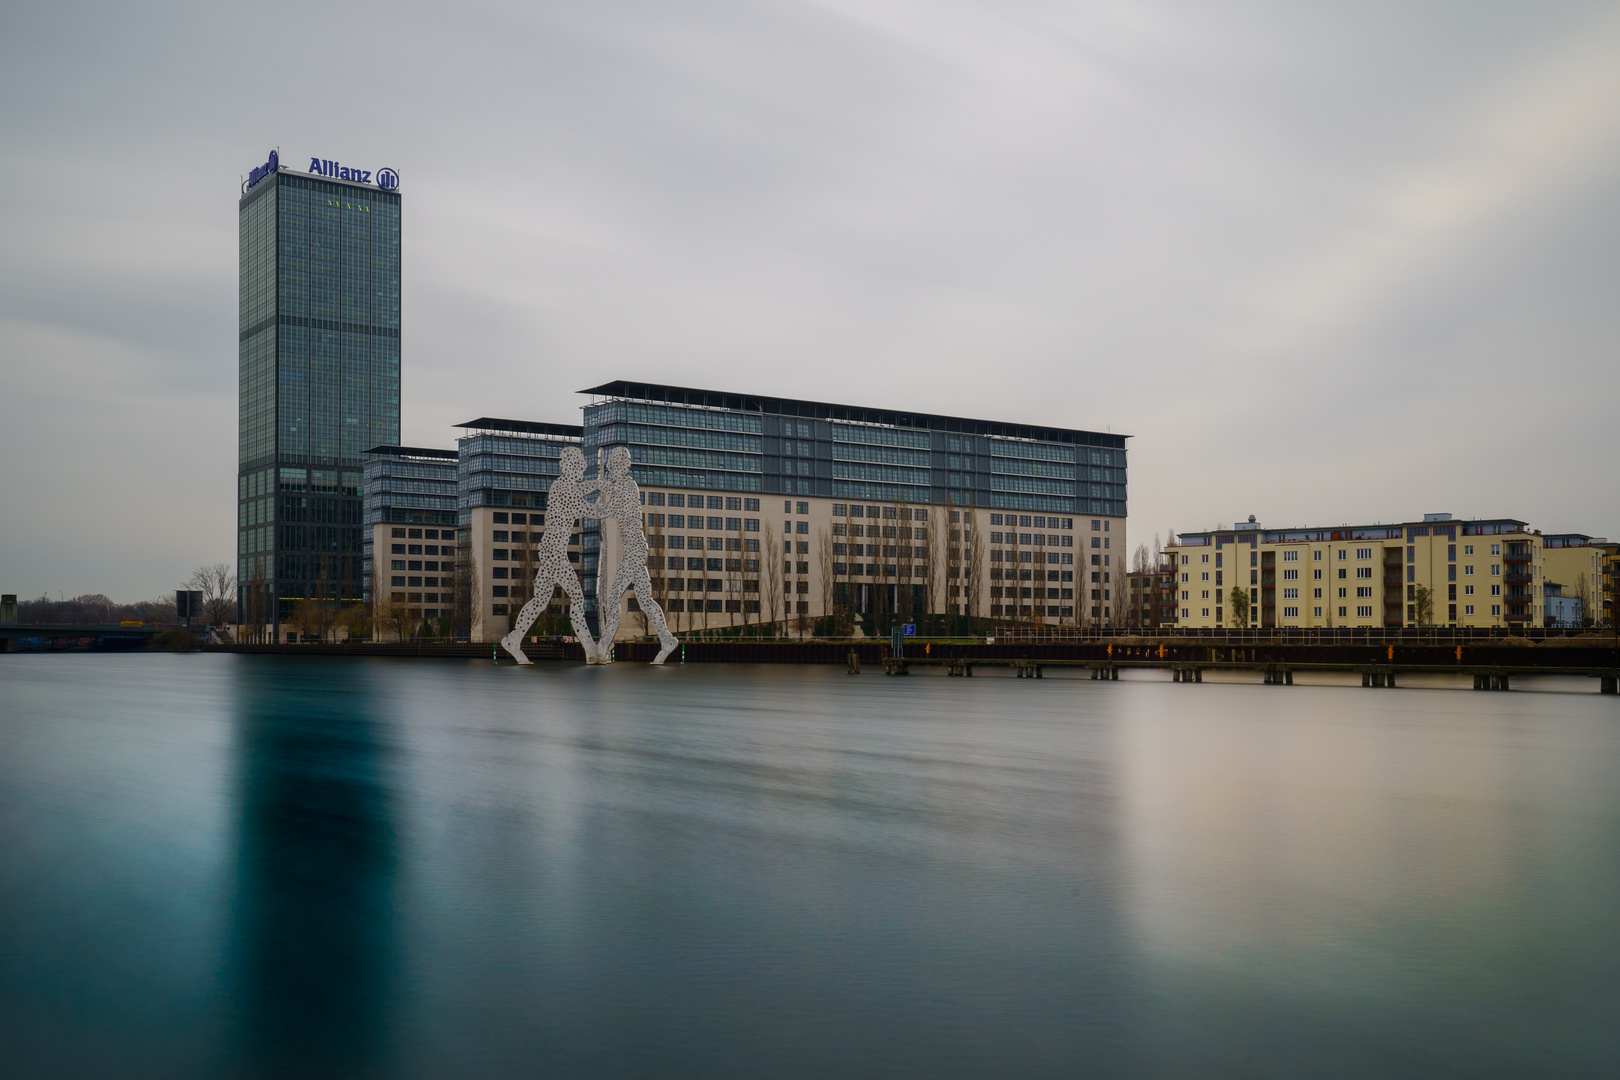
[[1329, 263]]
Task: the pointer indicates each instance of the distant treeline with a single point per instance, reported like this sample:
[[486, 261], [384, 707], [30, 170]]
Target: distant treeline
[[94, 609]]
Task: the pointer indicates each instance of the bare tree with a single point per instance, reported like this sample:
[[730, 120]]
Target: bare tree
[[772, 583], [824, 559], [973, 563], [217, 583]]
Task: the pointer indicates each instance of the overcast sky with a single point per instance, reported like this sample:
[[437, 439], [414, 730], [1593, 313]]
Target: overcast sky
[[1324, 263]]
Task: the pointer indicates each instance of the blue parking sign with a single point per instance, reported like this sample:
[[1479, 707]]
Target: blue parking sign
[[910, 629]]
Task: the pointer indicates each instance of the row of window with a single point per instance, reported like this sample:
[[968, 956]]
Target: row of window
[[1038, 539], [1064, 558], [893, 532], [698, 521], [699, 502], [698, 543]]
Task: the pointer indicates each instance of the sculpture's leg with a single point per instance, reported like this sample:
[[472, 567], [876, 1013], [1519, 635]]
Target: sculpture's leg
[[576, 613], [608, 604], [655, 616], [513, 642]]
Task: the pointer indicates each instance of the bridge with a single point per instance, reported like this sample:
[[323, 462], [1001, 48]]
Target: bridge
[[58, 636]]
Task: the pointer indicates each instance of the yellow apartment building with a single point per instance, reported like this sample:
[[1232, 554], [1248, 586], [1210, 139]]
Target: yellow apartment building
[[1475, 573]]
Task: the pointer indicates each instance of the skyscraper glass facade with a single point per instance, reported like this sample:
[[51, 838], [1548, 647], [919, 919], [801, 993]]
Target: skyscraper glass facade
[[318, 356]]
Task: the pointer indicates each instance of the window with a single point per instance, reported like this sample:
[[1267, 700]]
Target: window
[[1206, 575], [1290, 612], [1468, 609], [1496, 569], [1290, 594], [1291, 575], [399, 534], [1184, 560], [1364, 612], [1496, 609], [1342, 611], [1363, 553], [1317, 612], [1363, 591], [803, 528], [1096, 542], [1343, 573], [1363, 571], [1468, 590], [1316, 556], [804, 508], [1451, 552], [1468, 570], [1290, 556], [1206, 558], [1343, 554], [1342, 594], [1316, 574], [1496, 549], [1468, 549], [1316, 595], [1496, 590], [397, 549]]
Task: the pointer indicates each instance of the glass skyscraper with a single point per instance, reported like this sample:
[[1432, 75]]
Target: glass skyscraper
[[318, 386]]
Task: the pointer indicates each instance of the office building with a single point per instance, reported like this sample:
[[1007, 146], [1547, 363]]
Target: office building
[[505, 469], [771, 509], [319, 380], [1438, 571], [412, 507]]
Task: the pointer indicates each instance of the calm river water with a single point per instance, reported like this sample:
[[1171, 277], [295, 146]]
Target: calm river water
[[217, 865]]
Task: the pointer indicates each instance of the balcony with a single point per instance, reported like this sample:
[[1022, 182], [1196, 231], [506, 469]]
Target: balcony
[[1392, 559], [1392, 582], [1517, 554], [1518, 577]]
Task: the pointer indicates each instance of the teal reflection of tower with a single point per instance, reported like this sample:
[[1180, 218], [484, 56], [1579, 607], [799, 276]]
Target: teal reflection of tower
[[312, 951]]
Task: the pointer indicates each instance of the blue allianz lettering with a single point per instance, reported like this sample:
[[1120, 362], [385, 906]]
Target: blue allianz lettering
[[264, 170], [387, 179]]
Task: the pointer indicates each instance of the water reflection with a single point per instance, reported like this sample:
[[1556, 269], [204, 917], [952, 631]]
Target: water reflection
[[313, 949]]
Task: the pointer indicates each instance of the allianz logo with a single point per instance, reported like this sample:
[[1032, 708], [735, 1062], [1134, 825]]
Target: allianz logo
[[387, 179]]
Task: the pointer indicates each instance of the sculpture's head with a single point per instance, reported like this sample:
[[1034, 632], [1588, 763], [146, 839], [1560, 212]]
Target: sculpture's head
[[572, 463], [618, 462]]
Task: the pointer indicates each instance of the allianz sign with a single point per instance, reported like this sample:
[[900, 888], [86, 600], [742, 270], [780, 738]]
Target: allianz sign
[[387, 179]]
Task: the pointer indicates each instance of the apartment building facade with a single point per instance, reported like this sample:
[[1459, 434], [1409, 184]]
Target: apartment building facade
[[1437, 571]]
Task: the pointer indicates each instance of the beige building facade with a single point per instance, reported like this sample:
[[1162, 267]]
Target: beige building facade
[[1438, 571]]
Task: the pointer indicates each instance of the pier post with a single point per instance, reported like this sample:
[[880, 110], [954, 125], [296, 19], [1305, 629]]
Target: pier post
[[1288, 678], [1606, 684], [1366, 678], [854, 663], [1198, 675]]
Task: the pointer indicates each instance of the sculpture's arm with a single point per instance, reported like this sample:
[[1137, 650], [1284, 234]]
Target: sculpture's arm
[[597, 508]]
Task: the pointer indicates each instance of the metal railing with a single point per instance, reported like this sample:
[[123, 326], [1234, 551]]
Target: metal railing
[[1025, 634]]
